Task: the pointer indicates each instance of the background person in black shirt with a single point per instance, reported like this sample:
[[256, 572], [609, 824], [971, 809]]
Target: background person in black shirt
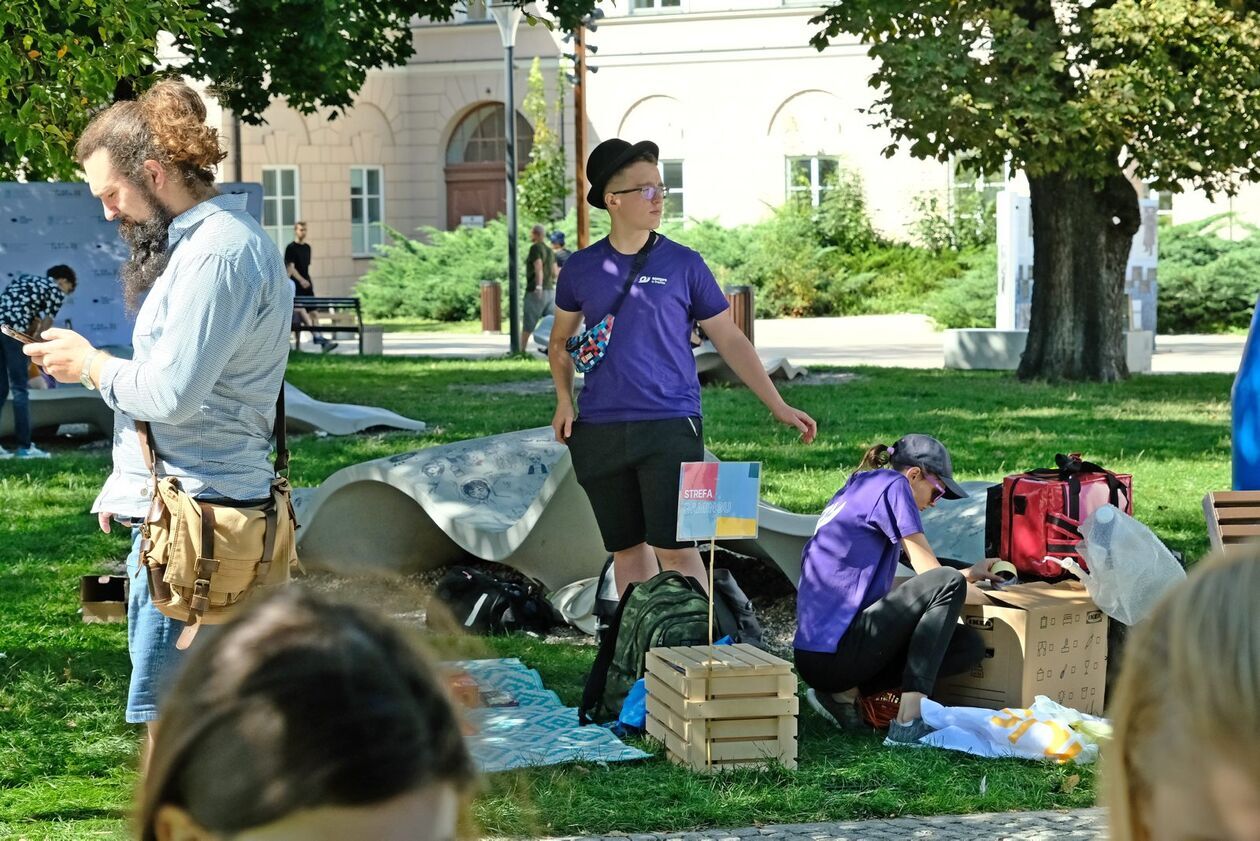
[[297, 262]]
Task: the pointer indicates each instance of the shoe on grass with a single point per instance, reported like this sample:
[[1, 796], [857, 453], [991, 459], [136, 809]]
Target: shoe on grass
[[32, 452], [841, 714], [907, 735], [5, 453]]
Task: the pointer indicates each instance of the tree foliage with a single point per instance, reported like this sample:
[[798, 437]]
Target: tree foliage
[[544, 183], [1168, 89], [62, 59]]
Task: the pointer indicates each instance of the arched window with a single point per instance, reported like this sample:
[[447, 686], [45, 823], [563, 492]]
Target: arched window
[[481, 137]]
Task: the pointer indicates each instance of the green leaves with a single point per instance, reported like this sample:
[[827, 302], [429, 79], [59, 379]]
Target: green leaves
[[65, 66], [1170, 87]]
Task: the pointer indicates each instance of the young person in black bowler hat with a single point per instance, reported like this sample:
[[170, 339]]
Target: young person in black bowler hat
[[639, 413]]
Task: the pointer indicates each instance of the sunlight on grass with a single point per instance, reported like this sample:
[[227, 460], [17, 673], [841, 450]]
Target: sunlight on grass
[[66, 757]]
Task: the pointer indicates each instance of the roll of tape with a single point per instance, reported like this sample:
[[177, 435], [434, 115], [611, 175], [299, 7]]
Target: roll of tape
[[1004, 570]]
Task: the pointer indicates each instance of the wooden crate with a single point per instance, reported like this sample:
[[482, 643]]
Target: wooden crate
[[722, 706]]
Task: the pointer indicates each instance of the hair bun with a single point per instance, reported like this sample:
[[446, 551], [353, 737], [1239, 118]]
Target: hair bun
[[176, 117]]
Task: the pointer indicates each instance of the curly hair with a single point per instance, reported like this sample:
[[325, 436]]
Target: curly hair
[[167, 124]]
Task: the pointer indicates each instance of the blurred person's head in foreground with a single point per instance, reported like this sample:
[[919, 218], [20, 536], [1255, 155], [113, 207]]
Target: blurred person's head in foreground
[[1185, 761], [306, 720]]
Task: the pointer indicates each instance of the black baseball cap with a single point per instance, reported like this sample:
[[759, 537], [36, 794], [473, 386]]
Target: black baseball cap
[[925, 452], [607, 160]]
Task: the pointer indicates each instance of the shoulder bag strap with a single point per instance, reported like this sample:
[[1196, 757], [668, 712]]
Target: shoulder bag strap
[[149, 450], [640, 260]]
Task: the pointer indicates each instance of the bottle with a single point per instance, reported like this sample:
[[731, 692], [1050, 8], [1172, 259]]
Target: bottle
[[1245, 446]]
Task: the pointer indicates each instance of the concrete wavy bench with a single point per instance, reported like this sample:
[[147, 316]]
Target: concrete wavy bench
[[508, 498], [306, 414], [65, 404]]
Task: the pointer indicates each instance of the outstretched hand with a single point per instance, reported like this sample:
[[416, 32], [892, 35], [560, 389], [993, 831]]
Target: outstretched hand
[[795, 417]]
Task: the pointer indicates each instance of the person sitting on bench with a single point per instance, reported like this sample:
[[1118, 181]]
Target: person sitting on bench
[[855, 633]]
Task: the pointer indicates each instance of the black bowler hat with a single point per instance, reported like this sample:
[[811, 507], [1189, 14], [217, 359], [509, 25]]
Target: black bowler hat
[[609, 157]]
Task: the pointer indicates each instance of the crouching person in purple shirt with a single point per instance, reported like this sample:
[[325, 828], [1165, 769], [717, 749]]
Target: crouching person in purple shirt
[[640, 408], [855, 633]]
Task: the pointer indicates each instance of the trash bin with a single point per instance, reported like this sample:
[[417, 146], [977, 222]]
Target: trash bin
[[373, 341], [491, 306], [742, 310]]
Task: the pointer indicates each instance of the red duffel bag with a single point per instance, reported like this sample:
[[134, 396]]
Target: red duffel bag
[[1042, 511]]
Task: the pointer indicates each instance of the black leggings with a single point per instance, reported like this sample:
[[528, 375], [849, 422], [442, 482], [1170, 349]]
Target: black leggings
[[905, 640]]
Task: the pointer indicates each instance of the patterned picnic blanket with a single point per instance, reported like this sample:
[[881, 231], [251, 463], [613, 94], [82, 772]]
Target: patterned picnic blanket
[[524, 724]]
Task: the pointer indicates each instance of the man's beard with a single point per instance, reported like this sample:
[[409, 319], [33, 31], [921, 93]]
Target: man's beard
[[148, 241]]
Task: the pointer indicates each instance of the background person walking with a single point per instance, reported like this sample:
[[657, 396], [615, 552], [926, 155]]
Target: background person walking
[[29, 304]]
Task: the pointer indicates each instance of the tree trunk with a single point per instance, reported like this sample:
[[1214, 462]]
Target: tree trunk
[[1081, 240]]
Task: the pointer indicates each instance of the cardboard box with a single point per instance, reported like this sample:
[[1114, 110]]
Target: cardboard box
[[722, 706], [103, 598], [1040, 639]]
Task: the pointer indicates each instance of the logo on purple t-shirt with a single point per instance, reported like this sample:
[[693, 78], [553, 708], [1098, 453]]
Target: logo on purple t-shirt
[[850, 562], [649, 372]]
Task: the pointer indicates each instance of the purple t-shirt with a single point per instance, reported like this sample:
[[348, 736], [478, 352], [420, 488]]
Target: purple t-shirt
[[649, 372], [849, 563]]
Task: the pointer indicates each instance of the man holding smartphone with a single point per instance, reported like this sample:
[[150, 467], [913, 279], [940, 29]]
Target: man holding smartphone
[[28, 305]]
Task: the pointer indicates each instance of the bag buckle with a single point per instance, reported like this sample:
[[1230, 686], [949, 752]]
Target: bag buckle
[[205, 568], [200, 600]]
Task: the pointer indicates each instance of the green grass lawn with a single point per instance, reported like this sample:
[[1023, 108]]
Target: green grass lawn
[[67, 758]]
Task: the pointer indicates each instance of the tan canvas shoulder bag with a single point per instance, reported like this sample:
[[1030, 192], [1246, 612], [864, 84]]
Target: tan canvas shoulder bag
[[205, 560]]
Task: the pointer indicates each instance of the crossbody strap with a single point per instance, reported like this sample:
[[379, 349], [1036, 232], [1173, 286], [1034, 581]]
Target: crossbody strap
[[640, 260], [149, 450]]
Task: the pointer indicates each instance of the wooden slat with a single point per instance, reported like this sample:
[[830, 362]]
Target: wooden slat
[[1241, 514], [1236, 531]]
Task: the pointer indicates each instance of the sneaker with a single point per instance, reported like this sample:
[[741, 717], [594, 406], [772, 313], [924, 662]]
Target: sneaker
[[327, 345], [841, 714], [907, 735], [5, 453], [32, 452]]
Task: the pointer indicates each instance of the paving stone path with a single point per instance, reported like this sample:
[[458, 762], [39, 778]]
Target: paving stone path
[[1015, 826]]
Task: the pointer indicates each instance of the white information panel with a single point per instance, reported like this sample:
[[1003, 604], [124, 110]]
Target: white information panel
[[1015, 264], [46, 224]]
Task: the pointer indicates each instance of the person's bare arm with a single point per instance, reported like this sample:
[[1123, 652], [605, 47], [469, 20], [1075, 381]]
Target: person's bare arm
[[739, 353], [564, 325], [296, 276], [922, 559], [538, 274]]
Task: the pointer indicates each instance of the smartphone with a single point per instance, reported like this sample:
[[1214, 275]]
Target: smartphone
[[17, 334]]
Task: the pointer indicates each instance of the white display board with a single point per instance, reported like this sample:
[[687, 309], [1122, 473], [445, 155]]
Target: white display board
[[1015, 264], [45, 224]]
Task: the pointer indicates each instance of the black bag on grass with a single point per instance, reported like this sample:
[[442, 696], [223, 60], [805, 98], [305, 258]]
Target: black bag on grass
[[483, 604]]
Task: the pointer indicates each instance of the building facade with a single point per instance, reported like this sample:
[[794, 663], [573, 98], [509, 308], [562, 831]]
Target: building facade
[[745, 112]]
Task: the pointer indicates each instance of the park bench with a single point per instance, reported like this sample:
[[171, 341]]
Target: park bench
[[1233, 519], [331, 315]]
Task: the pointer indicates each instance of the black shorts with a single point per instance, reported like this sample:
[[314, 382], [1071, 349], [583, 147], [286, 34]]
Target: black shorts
[[630, 474]]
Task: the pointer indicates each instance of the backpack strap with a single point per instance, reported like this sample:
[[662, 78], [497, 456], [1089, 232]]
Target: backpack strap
[[597, 679], [636, 266]]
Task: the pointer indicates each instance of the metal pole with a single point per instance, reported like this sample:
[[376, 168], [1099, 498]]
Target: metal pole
[[579, 137], [238, 165], [509, 115]]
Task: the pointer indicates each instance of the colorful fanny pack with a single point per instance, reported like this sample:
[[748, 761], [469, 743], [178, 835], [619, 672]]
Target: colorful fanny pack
[[589, 347]]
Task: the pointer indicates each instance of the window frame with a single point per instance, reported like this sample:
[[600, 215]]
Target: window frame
[[282, 234], [365, 198], [678, 191], [657, 8], [816, 188]]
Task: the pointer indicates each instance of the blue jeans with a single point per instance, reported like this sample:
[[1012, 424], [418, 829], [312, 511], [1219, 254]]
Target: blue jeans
[[151, 639], [16, 367]]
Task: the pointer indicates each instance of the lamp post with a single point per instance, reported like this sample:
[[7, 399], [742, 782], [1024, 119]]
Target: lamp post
[[508, 17]]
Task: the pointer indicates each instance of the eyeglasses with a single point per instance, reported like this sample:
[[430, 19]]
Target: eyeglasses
[[649, 193], [938, 490]]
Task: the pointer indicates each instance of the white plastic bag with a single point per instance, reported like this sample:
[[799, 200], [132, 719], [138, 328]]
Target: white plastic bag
[[1046, 730], [1129, 568]]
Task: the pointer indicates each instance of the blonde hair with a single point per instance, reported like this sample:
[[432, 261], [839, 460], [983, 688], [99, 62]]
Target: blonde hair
[[167, 124], [1189, 688]]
